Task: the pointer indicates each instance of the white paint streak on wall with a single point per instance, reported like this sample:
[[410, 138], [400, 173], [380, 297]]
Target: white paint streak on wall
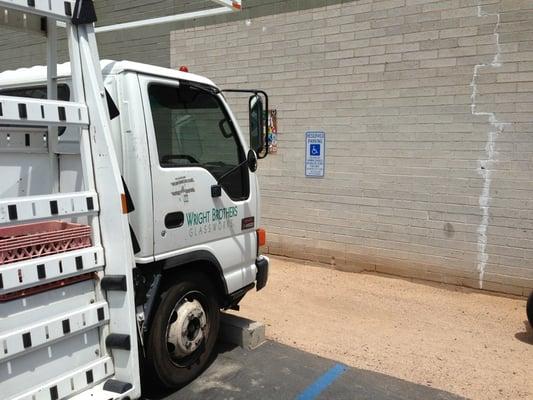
[[486, 165]]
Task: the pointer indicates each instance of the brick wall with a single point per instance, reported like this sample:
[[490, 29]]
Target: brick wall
[[428, 110]]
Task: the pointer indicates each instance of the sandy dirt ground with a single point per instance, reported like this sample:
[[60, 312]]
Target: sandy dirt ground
[[463, 341]]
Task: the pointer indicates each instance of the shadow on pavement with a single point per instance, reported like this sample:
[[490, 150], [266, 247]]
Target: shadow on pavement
[[157, 393], [527, 336]]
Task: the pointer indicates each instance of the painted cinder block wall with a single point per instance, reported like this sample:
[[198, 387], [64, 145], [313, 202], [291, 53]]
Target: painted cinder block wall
[[428, 111]]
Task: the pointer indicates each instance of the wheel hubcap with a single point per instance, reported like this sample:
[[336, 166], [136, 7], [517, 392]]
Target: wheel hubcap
[[186, 329]]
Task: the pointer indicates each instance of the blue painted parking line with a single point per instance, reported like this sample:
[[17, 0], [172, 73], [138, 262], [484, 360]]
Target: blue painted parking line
[[313, 391]]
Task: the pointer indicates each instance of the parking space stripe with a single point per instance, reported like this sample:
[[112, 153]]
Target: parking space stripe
[[313, 391]]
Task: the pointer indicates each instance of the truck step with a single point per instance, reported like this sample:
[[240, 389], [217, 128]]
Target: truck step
[[44, 333], [112, 385], [27, 274], [118, 341], [35, 208], [114, 282], [73, 383]]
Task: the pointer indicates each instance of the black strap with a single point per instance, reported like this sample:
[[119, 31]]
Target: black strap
[[84, 12]]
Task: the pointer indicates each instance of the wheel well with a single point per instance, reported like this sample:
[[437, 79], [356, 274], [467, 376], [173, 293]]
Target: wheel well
[[205, 267], [153, 279]]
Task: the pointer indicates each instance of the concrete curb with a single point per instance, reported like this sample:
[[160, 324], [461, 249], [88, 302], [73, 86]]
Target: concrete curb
[[241, 331]]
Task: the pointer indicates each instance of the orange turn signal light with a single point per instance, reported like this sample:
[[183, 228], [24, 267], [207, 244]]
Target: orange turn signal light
[[261, 237], [124, 202]]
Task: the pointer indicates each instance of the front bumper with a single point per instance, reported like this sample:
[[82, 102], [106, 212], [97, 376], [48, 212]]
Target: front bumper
[[262, 271]]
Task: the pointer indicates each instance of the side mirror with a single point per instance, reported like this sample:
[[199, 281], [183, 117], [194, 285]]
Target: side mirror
[[257, 124], [251, 160]]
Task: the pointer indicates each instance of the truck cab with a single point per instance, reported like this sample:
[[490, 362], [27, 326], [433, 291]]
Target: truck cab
[[191, 193]]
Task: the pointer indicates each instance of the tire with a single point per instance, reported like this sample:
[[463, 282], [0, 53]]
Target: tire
[[529, 309], [179, 323]]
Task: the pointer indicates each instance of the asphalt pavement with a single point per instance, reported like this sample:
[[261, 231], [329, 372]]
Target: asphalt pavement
[[275, 371]]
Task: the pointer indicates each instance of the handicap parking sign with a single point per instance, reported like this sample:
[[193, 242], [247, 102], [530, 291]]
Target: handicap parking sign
[[315, 142], [314, 150]]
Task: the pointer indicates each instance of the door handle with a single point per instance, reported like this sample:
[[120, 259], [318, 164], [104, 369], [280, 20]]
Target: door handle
[[174, 220]]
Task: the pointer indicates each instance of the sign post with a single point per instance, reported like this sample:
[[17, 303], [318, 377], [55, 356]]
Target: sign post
[[315, 151]]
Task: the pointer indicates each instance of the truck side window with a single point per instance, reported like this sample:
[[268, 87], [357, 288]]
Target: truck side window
[[192, 128], [39, 92]]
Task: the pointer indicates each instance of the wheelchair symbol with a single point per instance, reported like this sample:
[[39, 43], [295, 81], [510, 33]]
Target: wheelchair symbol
[[314, 150]]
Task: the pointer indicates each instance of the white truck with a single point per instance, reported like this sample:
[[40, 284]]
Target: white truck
[[129, 217]]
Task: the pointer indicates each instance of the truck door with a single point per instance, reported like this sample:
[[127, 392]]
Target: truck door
[[193, 143]]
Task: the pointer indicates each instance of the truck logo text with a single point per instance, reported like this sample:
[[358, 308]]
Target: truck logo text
[[216, 219]]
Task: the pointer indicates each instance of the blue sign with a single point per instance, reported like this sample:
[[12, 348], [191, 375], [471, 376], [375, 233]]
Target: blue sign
[[315, 143], [315, 150]]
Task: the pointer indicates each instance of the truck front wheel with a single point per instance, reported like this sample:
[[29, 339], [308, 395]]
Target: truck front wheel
[[183, 332]]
